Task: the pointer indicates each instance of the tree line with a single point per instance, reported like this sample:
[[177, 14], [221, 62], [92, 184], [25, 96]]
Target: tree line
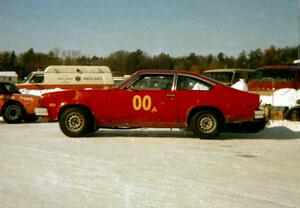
[[125, 62]]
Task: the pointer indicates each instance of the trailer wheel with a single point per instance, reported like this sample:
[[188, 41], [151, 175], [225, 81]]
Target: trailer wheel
[[206, 124], [13, 113], [74, 122]]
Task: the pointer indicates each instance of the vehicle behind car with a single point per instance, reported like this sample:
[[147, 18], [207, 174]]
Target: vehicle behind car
[[14, 106], [267, 79], [228, 76], [69, 77]]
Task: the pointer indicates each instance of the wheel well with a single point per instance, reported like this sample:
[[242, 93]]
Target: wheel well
[[9, 102], [293, 114], [197, 109], [86, 109]]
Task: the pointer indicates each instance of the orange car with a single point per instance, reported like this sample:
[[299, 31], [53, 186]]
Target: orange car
[[14, 106]]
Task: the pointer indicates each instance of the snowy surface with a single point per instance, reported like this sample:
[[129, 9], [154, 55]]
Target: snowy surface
[[40, 167], [283, 97]]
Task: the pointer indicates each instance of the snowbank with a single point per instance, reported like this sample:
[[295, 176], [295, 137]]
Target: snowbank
[[240, 85], [282, 97]]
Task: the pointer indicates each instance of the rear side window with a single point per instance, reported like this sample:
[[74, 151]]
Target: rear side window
[[192, 83]]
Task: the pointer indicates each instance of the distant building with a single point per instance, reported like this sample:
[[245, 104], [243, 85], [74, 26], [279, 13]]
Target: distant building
[[8, 76]]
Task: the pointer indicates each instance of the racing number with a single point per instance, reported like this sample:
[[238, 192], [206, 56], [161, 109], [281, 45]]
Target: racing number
[[138, 102]]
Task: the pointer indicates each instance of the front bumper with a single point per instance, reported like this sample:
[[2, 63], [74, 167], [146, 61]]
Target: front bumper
[[39, 111]]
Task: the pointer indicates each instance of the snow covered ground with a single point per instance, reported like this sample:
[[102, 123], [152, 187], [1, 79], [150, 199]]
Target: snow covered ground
[[40, 167], [282, 97]]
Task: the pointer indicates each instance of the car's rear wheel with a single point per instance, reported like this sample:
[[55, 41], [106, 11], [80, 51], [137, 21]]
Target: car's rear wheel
[[206, 124], [74, 122], [13, 113]]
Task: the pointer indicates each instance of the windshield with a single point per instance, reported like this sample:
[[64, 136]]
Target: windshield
[[120, 82], [27, 78]]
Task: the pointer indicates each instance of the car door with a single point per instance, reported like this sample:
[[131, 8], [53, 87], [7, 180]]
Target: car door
[[147, 101], [192, 92]]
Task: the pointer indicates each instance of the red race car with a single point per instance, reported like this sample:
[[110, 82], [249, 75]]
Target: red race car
[[14, 106], [154, 98]]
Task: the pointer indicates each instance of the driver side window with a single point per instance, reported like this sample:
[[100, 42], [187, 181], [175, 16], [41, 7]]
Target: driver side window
[[153, 82]]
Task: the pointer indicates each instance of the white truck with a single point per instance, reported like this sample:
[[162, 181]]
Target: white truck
[[69, 77]]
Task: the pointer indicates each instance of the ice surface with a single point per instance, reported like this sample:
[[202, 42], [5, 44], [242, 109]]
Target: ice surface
[[40, 167]]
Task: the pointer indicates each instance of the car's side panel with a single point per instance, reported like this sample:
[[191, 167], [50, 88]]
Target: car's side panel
[[236, 106], [29, 102], [93, 100], [143, 107]]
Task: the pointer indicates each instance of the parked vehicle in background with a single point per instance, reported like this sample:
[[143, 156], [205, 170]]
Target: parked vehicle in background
[[154, 98], [8, 76], [14, 106], [69, 77], [228, 76], [120, 79], [265, 80]]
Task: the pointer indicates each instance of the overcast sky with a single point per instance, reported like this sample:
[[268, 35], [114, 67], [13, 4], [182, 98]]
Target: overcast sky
[[176, 27]]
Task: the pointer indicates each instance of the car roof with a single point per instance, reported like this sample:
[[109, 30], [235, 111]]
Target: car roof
[[175, 72], [229, 70], [166, 71]]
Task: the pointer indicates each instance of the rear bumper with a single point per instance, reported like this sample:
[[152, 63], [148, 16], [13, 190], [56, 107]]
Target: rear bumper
[[259, 114]]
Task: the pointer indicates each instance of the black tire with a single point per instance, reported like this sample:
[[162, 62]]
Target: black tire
[[207, 124], [75, 122], [13, 113]]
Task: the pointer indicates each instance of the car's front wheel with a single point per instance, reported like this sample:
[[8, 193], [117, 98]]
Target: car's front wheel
[[74, 122], [206, 124], [13, 113]]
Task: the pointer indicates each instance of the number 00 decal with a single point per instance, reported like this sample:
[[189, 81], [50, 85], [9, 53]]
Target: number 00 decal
[[138, 103]]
